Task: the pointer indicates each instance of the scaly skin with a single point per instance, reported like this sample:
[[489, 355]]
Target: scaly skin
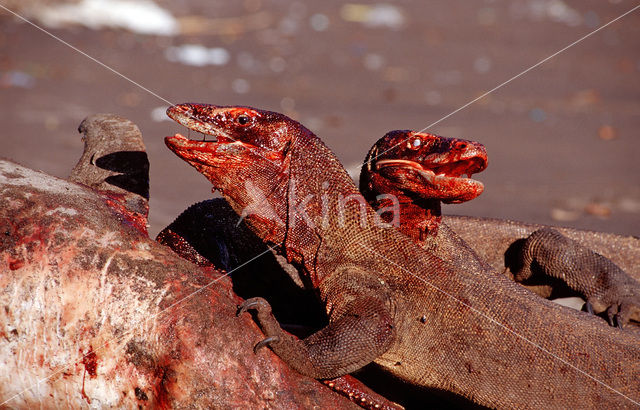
[[489, 237], [424, 319], [406, 164], [599, 281]]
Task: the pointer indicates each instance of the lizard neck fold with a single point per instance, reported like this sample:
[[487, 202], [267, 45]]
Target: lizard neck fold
[[417, 218]]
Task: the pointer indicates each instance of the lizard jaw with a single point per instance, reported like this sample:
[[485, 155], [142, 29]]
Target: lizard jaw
[[446, 182], [454, 170], [202, 153], [183, 117], [197, 153]]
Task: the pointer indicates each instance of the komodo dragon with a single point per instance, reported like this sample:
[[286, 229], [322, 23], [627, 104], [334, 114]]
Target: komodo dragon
[[422, 170], [419, 171], [422, 318], [210, 233]]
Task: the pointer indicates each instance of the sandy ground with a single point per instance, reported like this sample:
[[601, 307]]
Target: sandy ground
[[562, 139]]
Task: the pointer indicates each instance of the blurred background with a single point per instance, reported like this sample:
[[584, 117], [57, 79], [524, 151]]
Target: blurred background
[[562, 139]]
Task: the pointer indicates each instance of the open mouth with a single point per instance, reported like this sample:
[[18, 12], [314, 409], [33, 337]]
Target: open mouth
[[192, 151], [460, 169], [205, 138], [185, 117], [211, 141], [449, 182]]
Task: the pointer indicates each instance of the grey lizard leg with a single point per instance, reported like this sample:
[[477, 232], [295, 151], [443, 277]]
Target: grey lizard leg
[[590, 275], [362, 333]]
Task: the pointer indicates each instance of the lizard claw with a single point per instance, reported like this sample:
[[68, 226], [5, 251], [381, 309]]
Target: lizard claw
[[253, 303], [625, 312], [245, 306], [267, 322], [613, 315], [265, 342], [618, 315]]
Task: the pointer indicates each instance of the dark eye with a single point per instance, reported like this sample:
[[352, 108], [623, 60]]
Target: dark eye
[[243, 120]]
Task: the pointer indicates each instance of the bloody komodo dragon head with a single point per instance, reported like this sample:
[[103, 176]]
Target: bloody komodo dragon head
[[424, 167], [231, 137], [242, 151], [265, 164]]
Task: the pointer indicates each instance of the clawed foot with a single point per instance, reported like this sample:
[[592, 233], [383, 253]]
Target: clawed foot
[[614, 316], [263, 310], [618, 313], [253, 303]]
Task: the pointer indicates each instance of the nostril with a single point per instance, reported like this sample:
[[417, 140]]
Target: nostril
[[461, 145]]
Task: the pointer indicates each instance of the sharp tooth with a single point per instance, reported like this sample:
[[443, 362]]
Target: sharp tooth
[[441, 175]]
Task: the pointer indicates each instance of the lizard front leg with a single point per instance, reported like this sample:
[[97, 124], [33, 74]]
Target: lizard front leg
[[603, 285], [359, 335]]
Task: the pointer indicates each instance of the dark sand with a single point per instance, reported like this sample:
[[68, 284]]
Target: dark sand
[[563, 139]]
